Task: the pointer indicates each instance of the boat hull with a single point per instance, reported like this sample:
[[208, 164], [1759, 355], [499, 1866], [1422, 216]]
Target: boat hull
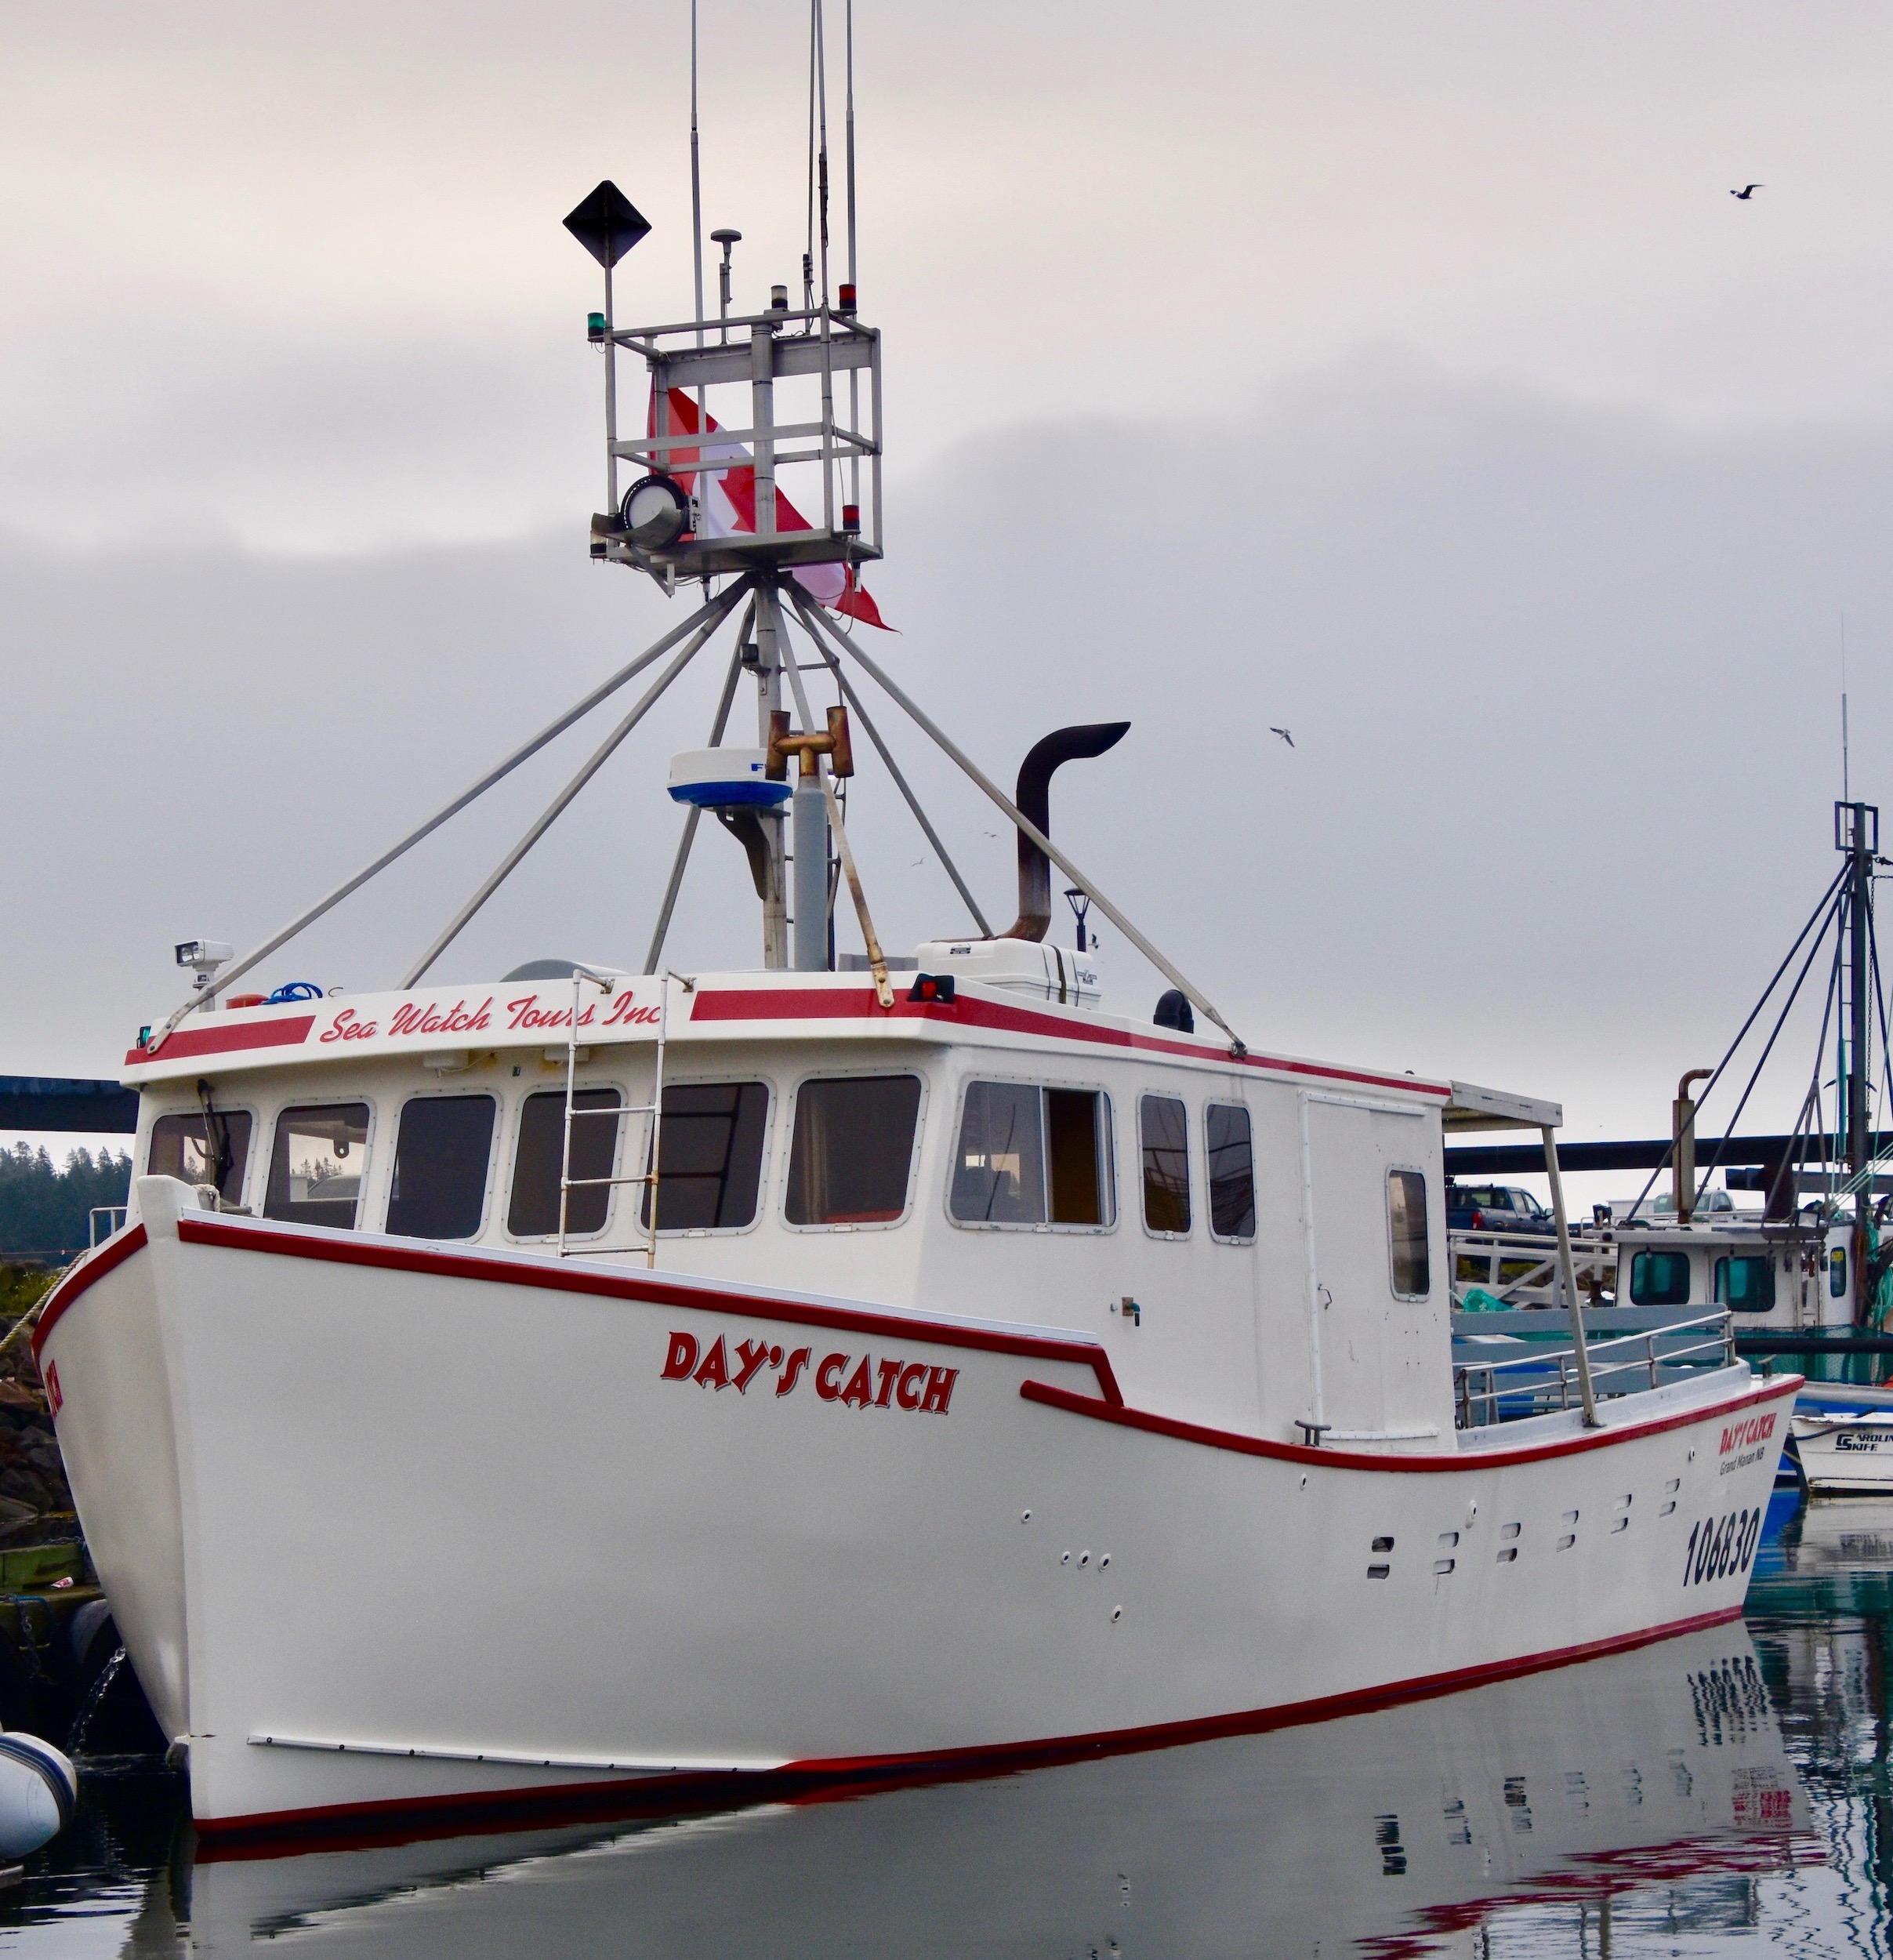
[[388, 1527], [1847, 1455]]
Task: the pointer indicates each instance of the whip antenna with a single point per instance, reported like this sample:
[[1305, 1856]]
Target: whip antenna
[[848, 299], [821, 151], [850, 163], [808, 254], [696, 182], [1847, 794]]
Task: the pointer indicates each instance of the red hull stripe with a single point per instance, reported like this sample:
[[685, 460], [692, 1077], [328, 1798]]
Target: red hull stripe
[[285, 1031], [1779, 1387], [390, 1820], [343, 1249], [859, 1003], [115, 1252]]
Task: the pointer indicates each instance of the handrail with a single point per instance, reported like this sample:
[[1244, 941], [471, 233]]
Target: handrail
[[1469, 1400], [1592, 1252], [604, 979]]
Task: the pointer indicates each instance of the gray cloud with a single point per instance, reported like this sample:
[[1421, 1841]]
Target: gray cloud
[[1408, 379], [1562, 679]]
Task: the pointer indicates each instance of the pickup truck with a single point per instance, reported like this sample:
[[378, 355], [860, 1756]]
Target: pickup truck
[[1495, 1208]]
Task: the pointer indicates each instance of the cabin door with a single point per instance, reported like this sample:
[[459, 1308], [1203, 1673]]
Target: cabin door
[[1358, 1330]]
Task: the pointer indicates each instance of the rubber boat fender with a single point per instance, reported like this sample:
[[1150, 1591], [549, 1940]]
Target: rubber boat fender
[[39, 1789]]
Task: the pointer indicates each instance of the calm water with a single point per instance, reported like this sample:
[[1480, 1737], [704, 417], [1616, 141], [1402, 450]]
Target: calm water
[[1714, 1795]]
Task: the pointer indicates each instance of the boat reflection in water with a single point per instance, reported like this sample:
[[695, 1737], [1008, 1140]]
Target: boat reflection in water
[[1821, 1612], [1402, 1829]]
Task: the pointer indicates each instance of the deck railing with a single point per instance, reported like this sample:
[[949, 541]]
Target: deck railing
[[1536, 1382], [1521, 1268]]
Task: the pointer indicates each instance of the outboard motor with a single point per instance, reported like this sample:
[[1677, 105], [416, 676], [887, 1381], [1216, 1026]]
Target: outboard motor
[[1034, 799]]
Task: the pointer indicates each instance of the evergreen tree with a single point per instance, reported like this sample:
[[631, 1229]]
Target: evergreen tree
[[44, 1210]]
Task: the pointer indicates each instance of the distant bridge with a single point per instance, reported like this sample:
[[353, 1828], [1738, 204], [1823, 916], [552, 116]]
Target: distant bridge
[[67, 1102]]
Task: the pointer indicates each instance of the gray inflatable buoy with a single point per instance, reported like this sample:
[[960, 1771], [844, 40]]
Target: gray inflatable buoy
[[38, 1788]]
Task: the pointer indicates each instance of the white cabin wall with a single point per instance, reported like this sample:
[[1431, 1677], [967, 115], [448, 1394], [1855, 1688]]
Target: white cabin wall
[[1222, 1336], [1282, 1363]]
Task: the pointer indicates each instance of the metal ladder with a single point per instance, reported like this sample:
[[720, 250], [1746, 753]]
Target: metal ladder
[[605, 981]]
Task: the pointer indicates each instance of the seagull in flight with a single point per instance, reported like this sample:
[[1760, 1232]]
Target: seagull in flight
[[1748, 191], [1286, 737]]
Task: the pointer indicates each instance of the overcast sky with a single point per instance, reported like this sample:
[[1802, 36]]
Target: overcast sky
[[1405, 376]]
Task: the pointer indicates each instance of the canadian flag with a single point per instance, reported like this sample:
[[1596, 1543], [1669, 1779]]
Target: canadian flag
[[726, 499]]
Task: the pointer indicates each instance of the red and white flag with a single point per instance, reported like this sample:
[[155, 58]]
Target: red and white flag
[[726, 499]]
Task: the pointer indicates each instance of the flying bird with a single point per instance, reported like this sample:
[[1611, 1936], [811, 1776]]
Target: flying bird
[[1748, 191], [1286, 737]]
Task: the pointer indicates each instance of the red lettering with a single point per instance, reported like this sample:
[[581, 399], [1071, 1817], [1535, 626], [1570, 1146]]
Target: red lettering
[[56, 1398], [527, 1014], [1738, 1435], [912, 1384], [626, 1013], [752, 1354], [347, 1028]]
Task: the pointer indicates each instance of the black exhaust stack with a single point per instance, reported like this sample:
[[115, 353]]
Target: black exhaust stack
[[1034, 799]]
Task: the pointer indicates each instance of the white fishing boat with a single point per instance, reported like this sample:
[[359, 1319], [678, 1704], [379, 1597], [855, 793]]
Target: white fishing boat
[[896, 1376], [1843, 1436]]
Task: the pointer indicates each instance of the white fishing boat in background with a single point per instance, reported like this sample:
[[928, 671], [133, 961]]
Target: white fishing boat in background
[[916, 1375], [1843, 1438]]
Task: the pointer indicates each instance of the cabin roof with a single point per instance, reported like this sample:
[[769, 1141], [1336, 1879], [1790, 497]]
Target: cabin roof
[[1472, 1107], [709, 1007]]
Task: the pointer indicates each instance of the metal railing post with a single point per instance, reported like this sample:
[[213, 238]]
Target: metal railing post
[[1569, 1277]]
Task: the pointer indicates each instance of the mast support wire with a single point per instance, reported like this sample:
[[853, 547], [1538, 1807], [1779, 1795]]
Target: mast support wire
[[718, 610], [1821, 912], [550, 732], [695, 814], [852, 696], [877, 964], [1728, 1129], [1192, 993]]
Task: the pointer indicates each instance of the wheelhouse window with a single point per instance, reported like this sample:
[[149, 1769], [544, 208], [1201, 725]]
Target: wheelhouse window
[[852, 1149], [1163, 1132], [317, 1167], [1659, 1279], [533, 1210], [1232, 1173], [1745, 1283], [1836, 1272], [1406, 1231], [441, 1153], [199, 1152], [1031, 1155], [709, 1157]]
